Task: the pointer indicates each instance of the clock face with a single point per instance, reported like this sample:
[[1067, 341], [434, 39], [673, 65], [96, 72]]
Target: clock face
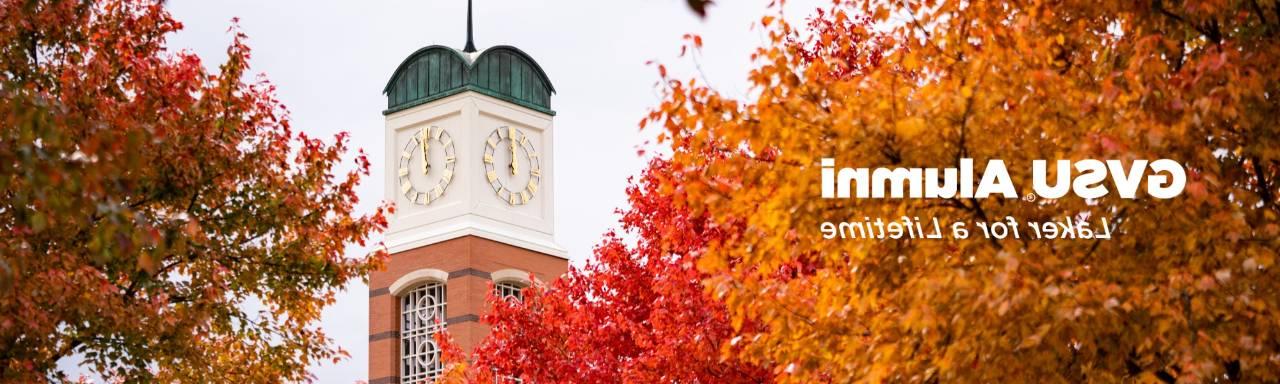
[[426, 165], [512, 165]]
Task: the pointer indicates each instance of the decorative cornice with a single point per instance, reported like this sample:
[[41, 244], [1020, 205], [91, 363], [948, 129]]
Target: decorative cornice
[[401, 242], [472, 88]]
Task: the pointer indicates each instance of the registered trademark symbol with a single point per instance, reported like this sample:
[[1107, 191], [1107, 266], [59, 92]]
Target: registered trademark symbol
[[1030, 197]]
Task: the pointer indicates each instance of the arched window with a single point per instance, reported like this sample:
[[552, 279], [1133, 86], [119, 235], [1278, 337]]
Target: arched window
[[422, 316], [509, 282], [509, 290]]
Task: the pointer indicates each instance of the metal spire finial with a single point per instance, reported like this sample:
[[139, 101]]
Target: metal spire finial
[[471, 45]]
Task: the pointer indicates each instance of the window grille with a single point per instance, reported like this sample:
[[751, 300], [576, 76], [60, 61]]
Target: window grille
[[506, 379], [509, 290], [422, 316]]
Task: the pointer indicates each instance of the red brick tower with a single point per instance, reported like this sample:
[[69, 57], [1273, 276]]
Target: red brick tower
[[469, 150]]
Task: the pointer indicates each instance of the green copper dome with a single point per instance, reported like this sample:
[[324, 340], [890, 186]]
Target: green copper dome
[[437, 71]]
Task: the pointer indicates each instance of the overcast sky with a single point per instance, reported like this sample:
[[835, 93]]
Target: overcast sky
[[330, 60]]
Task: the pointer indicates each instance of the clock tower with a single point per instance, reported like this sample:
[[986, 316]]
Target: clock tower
[[470, 168]]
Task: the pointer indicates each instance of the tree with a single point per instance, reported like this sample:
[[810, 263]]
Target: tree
[[1186, 290], [160, 222], [633, 314]]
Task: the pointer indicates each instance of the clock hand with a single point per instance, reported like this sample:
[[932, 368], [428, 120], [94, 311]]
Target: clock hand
[[426, 148], [515, 163]]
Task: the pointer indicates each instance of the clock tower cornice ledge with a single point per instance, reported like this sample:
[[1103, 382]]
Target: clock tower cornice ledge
[[474, 226]]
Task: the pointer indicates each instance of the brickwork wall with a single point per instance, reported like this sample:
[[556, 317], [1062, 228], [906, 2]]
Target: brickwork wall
[[468, 260]]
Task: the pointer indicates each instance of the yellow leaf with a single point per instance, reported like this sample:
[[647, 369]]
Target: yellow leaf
[[909, 62], [910, 127]]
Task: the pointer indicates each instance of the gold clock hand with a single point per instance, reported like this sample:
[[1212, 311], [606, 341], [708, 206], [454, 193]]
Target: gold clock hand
[[426, 149], [515, 163]]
